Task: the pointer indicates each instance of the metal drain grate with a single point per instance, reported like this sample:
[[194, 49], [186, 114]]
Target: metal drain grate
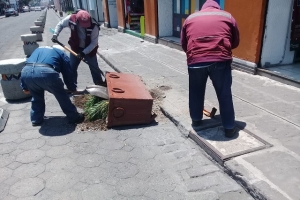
[[214, 142]]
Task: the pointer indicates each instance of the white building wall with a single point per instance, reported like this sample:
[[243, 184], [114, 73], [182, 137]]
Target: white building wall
[[85, 5], [100, 10], [165, 18], [75, 5], [276, 42]]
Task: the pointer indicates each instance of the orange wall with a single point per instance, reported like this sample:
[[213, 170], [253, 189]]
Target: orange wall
[[121, 13], [150, 11], [250, 16]]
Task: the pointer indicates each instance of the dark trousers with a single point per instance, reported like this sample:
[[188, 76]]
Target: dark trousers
[[39, 79], [220, 75]]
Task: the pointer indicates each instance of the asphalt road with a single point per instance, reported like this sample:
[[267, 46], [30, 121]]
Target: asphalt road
[[11, 29]]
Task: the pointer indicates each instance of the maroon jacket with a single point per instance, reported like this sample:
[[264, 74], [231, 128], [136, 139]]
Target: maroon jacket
[[209, 35], [74, 40]]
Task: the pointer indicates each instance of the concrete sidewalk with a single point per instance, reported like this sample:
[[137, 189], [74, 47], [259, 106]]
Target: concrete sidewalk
[[265, 157]]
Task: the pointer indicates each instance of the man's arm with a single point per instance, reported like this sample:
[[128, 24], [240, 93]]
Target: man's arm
[[235, 34], [62, 24], [67, 73], [94, 40], [183, 39]]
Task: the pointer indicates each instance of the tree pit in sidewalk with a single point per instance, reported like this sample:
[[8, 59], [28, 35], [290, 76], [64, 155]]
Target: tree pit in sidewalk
[[101, 124], [80, 101]]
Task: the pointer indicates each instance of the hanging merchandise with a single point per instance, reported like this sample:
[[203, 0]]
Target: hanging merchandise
[[134, 12]]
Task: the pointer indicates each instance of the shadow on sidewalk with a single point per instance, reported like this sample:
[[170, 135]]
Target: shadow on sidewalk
[[56, 126], [19, 101], [215, 132], [139, 126]]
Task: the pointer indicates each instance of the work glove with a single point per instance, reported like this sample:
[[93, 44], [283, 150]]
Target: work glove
[[81, 55], [54, 38]]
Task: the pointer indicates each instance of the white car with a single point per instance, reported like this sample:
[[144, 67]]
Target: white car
[[37, 8], [32, 8], [26, 9]]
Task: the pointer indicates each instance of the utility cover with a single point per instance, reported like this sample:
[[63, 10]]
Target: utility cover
[[221, 148]]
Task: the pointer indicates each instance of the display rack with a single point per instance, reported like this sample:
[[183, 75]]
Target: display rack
[[134, 21]]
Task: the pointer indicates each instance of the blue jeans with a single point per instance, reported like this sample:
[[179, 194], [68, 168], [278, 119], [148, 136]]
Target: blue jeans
[[93, 65], [39, 79], [220, 75]]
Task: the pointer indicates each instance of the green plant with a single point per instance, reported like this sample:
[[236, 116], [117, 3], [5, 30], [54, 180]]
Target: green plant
[[69, 12], [95, 108]]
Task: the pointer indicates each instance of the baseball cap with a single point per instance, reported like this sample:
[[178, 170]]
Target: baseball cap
[[84, 18]]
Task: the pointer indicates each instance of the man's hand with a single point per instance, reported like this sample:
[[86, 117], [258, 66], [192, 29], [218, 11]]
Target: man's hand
[[75, 92], [54, 38], [81, 55], [26, 91]]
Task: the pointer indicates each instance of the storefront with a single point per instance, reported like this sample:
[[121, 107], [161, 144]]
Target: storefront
[[136, 17], [281, 45]]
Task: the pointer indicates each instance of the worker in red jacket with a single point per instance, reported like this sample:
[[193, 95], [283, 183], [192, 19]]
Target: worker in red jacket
[[207, 37]]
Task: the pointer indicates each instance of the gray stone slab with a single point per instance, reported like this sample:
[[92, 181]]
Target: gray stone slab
[[5, 173], [8, 148], [27, 187], [90, 160], [6, 138], [281, 108], [98, 191], [62, 181], [30, 156], [221, 148], [6, 159], [30, 170], [285, 174], [131, 187]]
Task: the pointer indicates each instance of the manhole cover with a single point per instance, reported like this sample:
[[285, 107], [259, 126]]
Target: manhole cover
[[221, 148]]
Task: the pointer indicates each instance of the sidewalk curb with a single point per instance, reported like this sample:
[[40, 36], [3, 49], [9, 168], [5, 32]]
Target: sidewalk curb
[[3, 118]]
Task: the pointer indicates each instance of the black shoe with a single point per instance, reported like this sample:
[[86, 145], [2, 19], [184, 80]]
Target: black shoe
[[37, 124], [79, 119], [68, 91], [196, 123], [230, 133]]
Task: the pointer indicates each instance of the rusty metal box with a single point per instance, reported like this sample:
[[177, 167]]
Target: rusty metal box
[[129, 101]]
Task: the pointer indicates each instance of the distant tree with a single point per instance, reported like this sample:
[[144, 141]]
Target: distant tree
[[24, 2]]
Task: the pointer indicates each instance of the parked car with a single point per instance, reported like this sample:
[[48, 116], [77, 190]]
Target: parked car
[[37, 8], [26, 9], [32, 8], [10, 12]]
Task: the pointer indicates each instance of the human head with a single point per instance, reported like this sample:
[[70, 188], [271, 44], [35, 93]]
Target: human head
[[211, 3], [83, 18]]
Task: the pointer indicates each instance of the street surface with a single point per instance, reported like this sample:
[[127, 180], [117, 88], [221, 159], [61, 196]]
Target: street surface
[[55, 161]]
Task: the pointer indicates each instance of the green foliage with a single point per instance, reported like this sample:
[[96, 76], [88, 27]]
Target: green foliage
[[69, 12], [24, 2], [95, 108]]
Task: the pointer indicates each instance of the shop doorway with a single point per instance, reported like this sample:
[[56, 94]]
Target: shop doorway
[[134, 17]]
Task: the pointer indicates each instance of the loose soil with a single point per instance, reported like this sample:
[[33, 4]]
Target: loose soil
[[86, 125], [101, 125]]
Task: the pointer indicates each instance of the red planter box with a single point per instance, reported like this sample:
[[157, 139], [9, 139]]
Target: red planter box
[[129, 101]]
